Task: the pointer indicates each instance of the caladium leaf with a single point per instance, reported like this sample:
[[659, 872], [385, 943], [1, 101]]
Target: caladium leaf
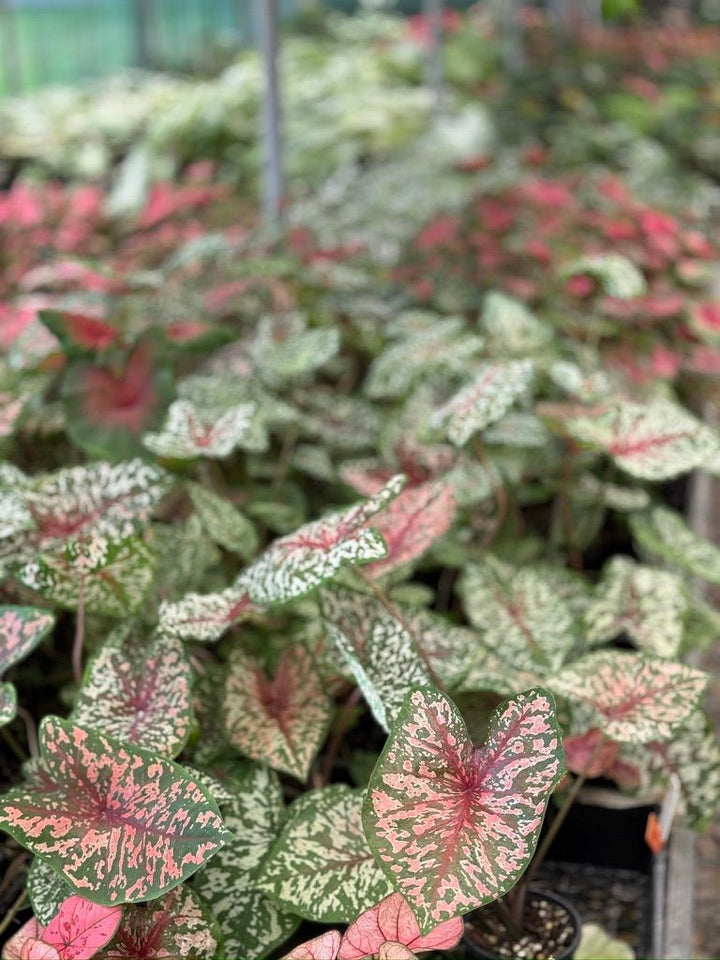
[[175, 925], [81, 928], [647, 604], [392, 923], [618, 275], [390, 950], [184, 558], [633, 697], [80, 332], [11, 406], [46, 890], [338, 420], [113, 577], [663, 534], [223, 522], [651, 441], [189, 432], [138, 692], [284, 352], [21, 630], [281, 720], [454, 826], [206, 617], [591, 753], [511, 327], [8, 703], [27, 939], [298, 563], [485, 400], [251, 924], [118, 823], [321, 866], [324, 947]]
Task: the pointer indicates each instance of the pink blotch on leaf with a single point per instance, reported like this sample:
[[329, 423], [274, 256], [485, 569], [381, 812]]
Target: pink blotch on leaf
[[126, 399], [588, 754]]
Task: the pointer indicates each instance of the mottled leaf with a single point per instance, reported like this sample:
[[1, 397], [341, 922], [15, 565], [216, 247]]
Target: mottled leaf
[[185, 556], [223, 522], [589, 387], [324, 947], [81, 928], [634, 697], [663, 534], [118, 823], [206, 617], [284, 351], [46, 890], [591, 753], [21, 630], [281, 720], [338, 420], [8, 703], [190, 432], [511, 327], [618, 275], [321, 866], [454, 826]]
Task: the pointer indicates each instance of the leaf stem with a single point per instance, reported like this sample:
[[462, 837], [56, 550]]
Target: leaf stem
[[13, 744], [13, 911], [30, 731], [77, 650], [286, 452]]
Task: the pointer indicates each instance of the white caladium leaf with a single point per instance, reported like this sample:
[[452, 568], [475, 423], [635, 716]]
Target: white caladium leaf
[[15, 517], [138, 692], [663, 534], [634, 698], [485, 400], [339, 420], [8, 703], [592, 387], [284, 351], [511, 327], [519, 613], [251, 924], [46, 890], [223, 522], [622, 499], [517, 429], [112, 576], [321, 866], [647, 604], [298, 563], [454, 826], [21, 630], [190, 432], [651, 441], [205, 617], [281, 720], [618, 275], [489, 671]]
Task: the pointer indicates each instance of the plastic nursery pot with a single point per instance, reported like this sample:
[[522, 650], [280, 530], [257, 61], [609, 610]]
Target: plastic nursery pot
[[553, 929]]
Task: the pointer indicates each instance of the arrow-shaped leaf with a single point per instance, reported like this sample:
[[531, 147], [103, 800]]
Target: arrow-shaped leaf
[[223, 522], [81, 928], [205, 617], [188, 432]]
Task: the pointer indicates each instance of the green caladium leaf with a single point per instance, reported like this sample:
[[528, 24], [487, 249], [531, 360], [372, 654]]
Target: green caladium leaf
[[519, 613], [651, 441], [223, 522], [281, 720], [138, 692], [337, 420], [46, 889], [119, 824], [618, 275], [663, 534], [647, 604], [454, 826], [251, 924], [284, 351], [485, 400], [21, 630], [321, 866], [184, 558], [298, 563], [8, 703], [634, 698], [190, 432], [511, 327], [588, 387], [112, 576], [206, 617], [518, 429], [488, 671]]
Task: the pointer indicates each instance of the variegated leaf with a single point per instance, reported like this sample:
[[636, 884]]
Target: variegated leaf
[[8, 703], [633, 697], [651, 441], [485, 400], [21, 630], [285, 352], [517, 429], [251, 924], [489, 671], [321, 866], [454, 826], [663, 534], [81, 928], [592, 387], [511, 327], [206, 617], [46, 890], [190, 432], [338, 420], [223, 522], [324, 947], [281, 720], [298, 563], [112, 576], [185, 556], [520, 614], [138, 692], [618, 275], [175, 925], [647, 604], [118, 823], [11, 405]]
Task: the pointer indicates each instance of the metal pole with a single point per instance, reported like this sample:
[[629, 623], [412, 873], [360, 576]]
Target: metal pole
[[272, 179], [10, 47], [433, 10]]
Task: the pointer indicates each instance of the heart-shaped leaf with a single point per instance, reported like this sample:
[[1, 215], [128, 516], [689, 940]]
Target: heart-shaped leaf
[[79, 332], [81, 928], [633, 697], [511, 327], [223, 522], [27, 945], [453, 826], [618, 275], [663, 534], [298, 563], [324, 947], [281, 720], [321, 866], [206, 617], [118, 823], [189, 432], [21, 630], [138, 692], [8, 703]]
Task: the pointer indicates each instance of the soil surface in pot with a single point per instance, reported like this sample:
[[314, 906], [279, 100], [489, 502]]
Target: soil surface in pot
[[549, 930]]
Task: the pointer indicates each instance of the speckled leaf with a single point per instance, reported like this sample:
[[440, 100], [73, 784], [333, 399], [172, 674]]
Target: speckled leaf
[[454, 826], [21, 630], [138, 692], [647, 604], [283, 351], [485, 400], [281, 720], [8, 703], [175, 925], [81, 928], [190, 432], [321, 866], [205, 617], [298, 563], [324, 947], [618, 275], [223, 522], [184, 558], [46, 890], [251, 924], [663, 534], [589, 387], [634, 697], [113, 576], [118, 823], [489, 671], [511, 327], [651, 441], [339, 421]]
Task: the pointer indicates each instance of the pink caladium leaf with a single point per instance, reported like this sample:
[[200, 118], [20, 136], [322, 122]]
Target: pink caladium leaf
[[188, 432], [393, 922], [391, 950], [11, 406], [118, 823], [206, 617], [80, 332], [26, 939], [39, 950], [21, 630], [298, 563], [324, 947], [455, 826], [633, 697], [591, 753], [281, 720], [81, 928]]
